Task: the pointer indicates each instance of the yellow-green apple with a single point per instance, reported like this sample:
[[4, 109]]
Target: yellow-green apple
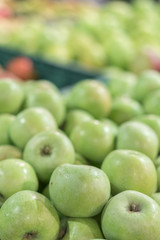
[[130, 170], [151, 102], [11, 96], [5, 122], [91, 96], [16, 175], [139, 137], [47, 150], [79, 190], [9, 151], [93, 140], [80, 228], [124, 109], [131, 215], [74, 118], [28, 123], [28, 215]]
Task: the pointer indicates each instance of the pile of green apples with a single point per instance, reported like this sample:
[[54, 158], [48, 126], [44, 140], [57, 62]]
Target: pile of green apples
[[115, 34], [82, 163]]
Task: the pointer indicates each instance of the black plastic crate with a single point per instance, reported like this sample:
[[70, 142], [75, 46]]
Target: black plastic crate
[[60, 75]]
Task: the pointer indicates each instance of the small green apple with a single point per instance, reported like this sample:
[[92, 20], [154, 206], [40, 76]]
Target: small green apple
[[124, 109], [152, 121], [156, 197], [74, 118], [5, 122], [79, 190], [49, 99], [8, 151], [139, 137], [28, 215], [11, 96], [131, 215], [28, 123], [130, 170], [16, 175], [93, 140], [149, 81], [46, 151], [91, 96], [80, 228], [121, 83], [151, 102]]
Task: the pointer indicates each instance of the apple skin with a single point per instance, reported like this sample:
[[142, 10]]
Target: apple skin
[[93, 140], [48, 99], [127, 216], [80, 160], [91, 96], [28, 215], [74, 118], [158, 177], [79, 190], [156, 197], [149, 81], [151, 103], [16, 175], [28, 123], [152, 121], [8, 151], [124, 109], [46, 151], [139, 137], [130, 170], [112, 125], [12, 95], [5, 122], [81, 228]]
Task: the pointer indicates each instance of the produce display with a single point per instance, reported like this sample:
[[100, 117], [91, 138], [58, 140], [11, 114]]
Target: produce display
[[93, 36], [80, 164]]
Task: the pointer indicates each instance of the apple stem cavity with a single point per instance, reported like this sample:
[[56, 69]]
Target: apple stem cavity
[[46, 151], [134, 207], [30, 236]]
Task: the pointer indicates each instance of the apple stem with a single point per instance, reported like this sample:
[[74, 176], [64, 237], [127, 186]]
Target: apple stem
[[134, 208], [30, 236], [46, 151]]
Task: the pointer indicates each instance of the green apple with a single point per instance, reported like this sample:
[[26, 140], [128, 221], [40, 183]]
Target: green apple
[[28, 123], [124, 109], [45, 192], [16, 175], [151, 102], [11, 96], [131, 215], [49, 99], [80, 228], [46, 151], [130, 170], [156, 197], [79, 190], [120, 83], [112, 125], [5, 122], [80, 160], [28, 215], [149, 81], [74, 118], [91, 96], [93, 140], [139, 137], [8, 151], [152, 121]]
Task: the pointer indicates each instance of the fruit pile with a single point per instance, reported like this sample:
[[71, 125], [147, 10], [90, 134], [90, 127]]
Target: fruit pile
[[80, 164], [115, 34]]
